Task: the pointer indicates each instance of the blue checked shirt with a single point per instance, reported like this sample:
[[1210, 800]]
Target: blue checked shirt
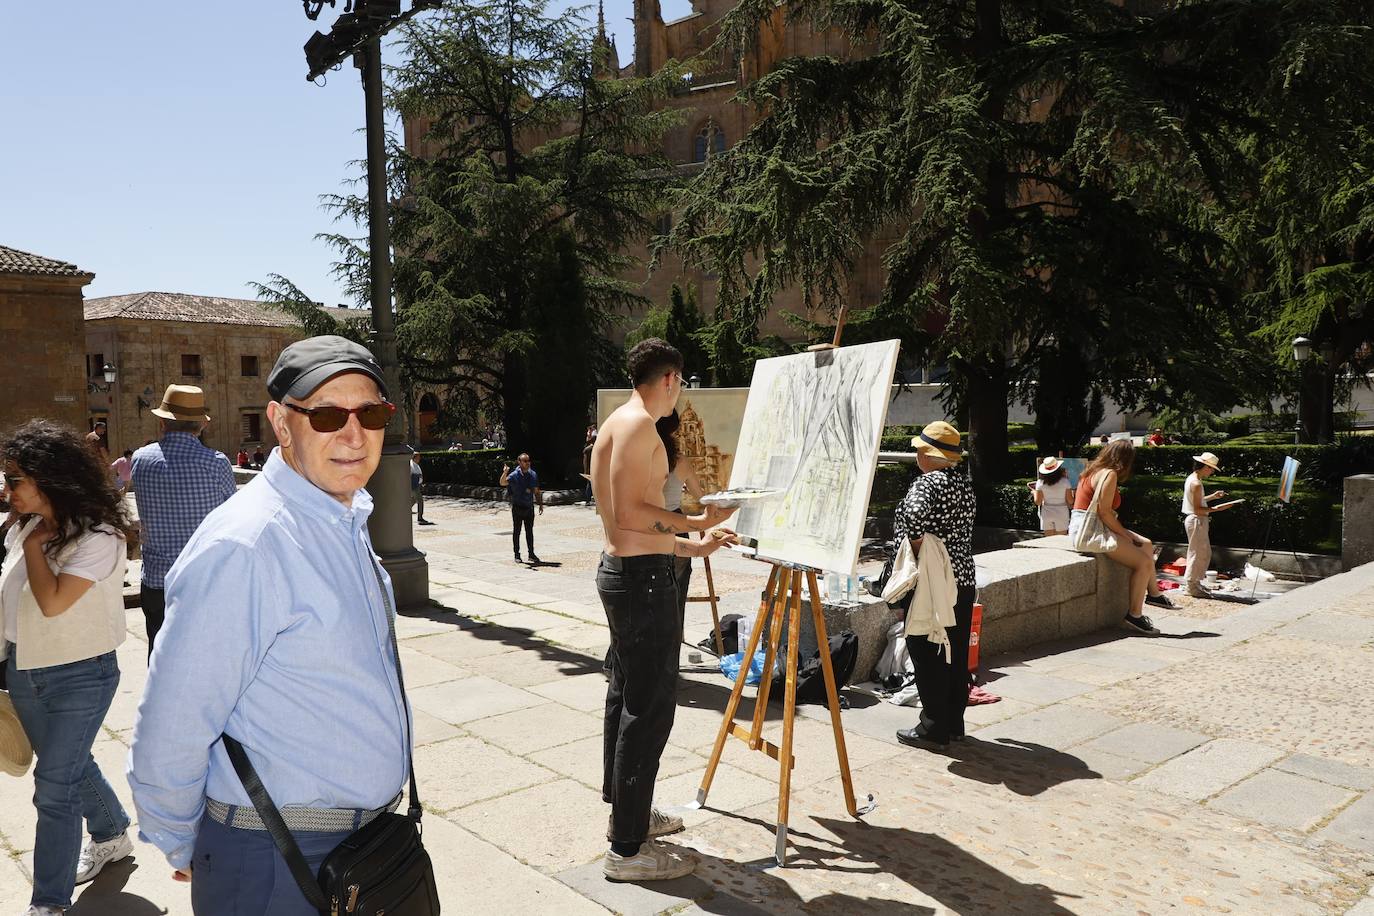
[[177, 481], [277, 634]]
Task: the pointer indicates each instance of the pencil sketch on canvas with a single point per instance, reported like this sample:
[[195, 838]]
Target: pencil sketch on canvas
[[812, 428]]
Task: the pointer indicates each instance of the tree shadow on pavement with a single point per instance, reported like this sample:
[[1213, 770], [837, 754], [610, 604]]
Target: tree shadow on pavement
[[1022, 766], [105, 896], [572, 662]]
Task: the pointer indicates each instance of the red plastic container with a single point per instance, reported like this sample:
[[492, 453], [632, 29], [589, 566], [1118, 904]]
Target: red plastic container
[[974, 633]]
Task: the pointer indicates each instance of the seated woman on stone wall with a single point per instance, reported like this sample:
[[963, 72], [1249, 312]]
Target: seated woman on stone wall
[[1111, 467]]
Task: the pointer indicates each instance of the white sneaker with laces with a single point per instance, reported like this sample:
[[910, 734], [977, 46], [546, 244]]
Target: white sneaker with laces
[[653, 862], [96, 856]]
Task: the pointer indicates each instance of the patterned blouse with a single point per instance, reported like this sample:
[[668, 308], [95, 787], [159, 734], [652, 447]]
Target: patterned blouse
[[941, 503]]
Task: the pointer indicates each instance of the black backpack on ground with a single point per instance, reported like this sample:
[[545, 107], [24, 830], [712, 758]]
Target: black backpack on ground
[[844, 654]]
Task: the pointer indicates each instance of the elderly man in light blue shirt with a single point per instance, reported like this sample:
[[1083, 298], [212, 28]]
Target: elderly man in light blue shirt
[[278, 635]]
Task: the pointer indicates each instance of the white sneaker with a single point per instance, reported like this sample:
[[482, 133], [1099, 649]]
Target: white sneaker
[[653, 862], [96, 856], [660, 823]]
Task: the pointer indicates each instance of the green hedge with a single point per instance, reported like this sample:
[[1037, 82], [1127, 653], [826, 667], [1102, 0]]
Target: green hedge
[[481, 467]]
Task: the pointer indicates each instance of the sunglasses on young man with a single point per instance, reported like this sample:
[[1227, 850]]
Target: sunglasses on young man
[[333, 419]]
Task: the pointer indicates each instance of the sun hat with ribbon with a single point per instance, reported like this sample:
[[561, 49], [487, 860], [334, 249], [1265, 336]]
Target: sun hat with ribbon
[[1050, 465], [182, 402], [16, 753], [939, 440], [1207, 458]]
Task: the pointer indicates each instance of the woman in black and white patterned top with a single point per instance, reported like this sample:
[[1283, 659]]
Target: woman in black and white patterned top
[[940, 502]]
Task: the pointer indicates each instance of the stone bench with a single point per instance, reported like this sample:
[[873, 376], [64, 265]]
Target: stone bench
[[1041, 589]]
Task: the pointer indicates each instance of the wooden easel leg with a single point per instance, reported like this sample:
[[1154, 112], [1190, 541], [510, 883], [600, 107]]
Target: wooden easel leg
[[715, 612], [779, 605], [832, 696], [765, 605], [788, 717]]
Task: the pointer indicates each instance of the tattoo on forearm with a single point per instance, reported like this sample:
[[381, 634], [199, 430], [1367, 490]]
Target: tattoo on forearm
[[661, 528]]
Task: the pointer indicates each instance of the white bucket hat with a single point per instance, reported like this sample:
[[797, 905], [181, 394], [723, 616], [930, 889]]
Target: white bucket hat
[[1207, 458], [16, 753]]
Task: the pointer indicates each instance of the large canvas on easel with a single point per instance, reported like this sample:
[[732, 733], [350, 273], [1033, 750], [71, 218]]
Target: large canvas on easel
[[711, 421], [812, 429]]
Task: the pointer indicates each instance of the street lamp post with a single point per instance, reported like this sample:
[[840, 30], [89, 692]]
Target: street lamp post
[[1302, 350]]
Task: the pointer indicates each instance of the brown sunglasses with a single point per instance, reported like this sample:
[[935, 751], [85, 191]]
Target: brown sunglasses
[[333, 419]]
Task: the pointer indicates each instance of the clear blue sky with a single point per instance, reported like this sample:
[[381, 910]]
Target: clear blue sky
[[177, 146]]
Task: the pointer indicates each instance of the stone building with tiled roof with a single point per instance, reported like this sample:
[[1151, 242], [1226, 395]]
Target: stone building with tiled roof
[[41, 373], [225, 346]]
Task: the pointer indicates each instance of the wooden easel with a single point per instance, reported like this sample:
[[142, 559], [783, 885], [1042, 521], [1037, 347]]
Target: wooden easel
[[783, 599], [715, 611]]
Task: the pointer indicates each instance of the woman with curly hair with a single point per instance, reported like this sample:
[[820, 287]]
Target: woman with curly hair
[[61, 599], [1112, 466]]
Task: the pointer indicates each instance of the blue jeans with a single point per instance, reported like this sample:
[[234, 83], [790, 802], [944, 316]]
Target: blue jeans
[[236, 871], [61, 709]]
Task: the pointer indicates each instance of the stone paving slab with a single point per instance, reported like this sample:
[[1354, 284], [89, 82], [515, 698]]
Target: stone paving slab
[[477, 697], [1146, 742], [535, 728], [1056, 726], [1354, 826], [1282, 800], [1328, 771], [551, 826], [1209, 769], [488, 772]]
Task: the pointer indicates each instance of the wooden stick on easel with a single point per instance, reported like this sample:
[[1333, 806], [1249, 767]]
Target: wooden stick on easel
[[782, 602]]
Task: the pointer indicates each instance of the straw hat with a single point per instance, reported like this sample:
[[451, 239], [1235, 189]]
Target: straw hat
[[1207, 458], [1050, 465], [939, 440], [16, 753], [182, 402]]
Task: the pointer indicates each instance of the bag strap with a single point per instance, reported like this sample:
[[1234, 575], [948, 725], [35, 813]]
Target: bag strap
[[267, 810], [272, 820]]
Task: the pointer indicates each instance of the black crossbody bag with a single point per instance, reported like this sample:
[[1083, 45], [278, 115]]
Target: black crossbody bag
[[381, 868]]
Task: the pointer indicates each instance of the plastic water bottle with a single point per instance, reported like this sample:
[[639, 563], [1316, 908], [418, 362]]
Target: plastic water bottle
[[832, 585], [742, 633]]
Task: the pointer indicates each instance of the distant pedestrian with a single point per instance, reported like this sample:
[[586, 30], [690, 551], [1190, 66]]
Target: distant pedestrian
[[1053, 495], [1197, 520], [280, 636], [417, 489], [62, 602], [523, 484], [242, 459], [123, 468], [587, 465], [1157, 437], [98, 439], [177, 481], [258, 457]]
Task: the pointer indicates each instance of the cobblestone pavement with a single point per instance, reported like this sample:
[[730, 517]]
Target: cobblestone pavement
[[1228, 769]]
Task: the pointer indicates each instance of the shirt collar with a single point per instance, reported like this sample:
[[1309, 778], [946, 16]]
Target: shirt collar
[[303, 494]]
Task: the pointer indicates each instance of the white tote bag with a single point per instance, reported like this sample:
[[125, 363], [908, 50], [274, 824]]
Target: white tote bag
[[1094, 536], [903, 578]]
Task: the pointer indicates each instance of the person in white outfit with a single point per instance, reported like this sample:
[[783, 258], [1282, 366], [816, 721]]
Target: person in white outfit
[[1054, 496], [1197, 521]]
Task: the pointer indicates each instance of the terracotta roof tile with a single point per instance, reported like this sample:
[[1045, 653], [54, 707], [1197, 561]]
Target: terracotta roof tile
[[14, 261], [153, 306]]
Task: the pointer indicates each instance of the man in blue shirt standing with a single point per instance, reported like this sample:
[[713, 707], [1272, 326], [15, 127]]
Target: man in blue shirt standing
[[278, 634], [523, 483], [177, 481]]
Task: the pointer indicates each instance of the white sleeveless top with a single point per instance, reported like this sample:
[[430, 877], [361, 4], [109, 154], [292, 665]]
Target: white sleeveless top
[[672, 492], [1187, 506]]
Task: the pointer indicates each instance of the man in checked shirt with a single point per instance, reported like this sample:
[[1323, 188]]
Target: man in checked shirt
[[177, 481]]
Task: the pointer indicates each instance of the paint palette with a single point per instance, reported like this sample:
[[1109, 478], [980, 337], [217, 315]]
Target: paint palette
[[740, 496]]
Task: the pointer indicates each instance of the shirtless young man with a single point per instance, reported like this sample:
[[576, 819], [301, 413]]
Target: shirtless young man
[[638, 588]]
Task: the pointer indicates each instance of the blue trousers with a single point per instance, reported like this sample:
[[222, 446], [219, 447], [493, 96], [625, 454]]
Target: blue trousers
[[238, 872], [61, 709]]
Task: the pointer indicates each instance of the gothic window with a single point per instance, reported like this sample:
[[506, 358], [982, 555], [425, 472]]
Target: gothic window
[[709, 139]]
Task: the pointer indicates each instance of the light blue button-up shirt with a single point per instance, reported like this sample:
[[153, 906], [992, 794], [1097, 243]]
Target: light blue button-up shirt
[[276, 633]]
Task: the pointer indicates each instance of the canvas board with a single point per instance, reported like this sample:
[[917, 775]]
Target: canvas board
[[707, 435], [811, 429]]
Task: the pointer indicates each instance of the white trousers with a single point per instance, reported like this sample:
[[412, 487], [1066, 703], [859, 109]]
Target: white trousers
[[1199, 549]]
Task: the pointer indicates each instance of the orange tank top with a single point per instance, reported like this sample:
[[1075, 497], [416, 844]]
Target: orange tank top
[[1083, 496]]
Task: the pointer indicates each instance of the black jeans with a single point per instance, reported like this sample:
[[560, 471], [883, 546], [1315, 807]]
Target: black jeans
[[522, 515], [943, 686], [641, 601], [154, 602]]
